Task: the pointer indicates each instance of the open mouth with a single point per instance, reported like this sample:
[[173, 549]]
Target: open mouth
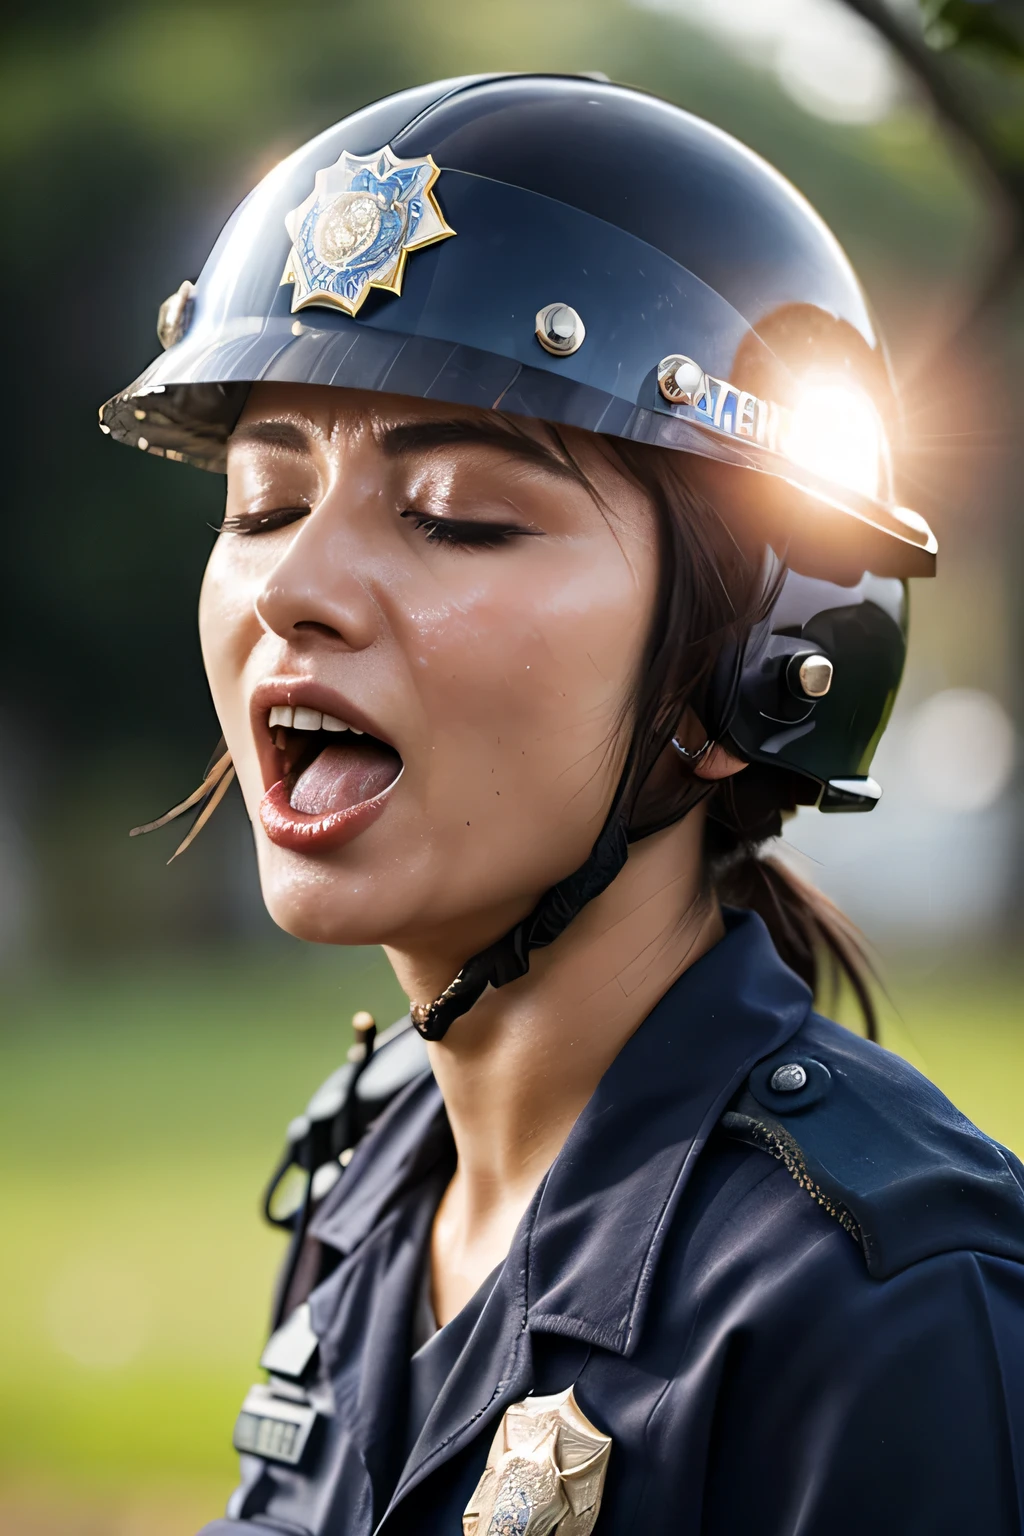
[[327, 764], [330, 777]]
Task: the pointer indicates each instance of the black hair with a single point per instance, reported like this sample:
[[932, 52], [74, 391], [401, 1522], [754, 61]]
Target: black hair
[[711, 592]]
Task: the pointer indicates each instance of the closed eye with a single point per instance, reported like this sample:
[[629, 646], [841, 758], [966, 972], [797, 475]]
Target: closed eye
[[261, 522], [464, 533], [460, 533]]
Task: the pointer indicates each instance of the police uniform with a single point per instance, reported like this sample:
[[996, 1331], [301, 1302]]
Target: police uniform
[[773, 1281], [773, 1263]]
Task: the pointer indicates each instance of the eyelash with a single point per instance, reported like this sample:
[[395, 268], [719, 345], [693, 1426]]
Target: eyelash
[[456, 533], [261, 522]]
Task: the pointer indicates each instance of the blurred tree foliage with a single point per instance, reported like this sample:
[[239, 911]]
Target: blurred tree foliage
[[127, 133], [967, 56], [987, 27]]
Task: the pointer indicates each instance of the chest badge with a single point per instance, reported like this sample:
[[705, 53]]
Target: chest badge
[[544, 1475], [357, 226]]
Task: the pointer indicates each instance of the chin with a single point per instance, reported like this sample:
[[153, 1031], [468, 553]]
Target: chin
[[320, 906]]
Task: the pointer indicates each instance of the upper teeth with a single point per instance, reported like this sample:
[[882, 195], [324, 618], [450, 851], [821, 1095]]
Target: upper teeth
[[302, 719]]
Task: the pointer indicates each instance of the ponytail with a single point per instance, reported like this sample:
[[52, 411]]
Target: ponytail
[[811, 934]]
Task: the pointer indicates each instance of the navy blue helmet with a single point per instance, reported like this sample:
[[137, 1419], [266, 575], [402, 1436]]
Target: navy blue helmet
[[564, 248], [573, 250]]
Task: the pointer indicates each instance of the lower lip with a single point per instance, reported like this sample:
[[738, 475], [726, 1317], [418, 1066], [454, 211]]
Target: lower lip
[[288, 828]]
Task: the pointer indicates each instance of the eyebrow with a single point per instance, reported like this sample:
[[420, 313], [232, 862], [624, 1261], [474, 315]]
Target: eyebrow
[[425, 436], [422, 437], [273, 434]]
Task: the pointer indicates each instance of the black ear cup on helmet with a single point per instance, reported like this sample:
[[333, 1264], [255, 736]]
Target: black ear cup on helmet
[[817, 681]]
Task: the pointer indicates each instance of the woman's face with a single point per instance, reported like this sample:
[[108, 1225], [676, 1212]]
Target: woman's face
[[439, 580]]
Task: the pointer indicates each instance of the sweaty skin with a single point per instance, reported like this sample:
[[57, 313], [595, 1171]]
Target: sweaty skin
[[438, 578]]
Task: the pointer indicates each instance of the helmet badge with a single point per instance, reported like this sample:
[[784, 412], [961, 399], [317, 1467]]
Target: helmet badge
[[356, 227]]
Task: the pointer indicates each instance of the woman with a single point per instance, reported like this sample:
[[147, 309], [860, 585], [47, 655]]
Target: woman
[[560, 562]]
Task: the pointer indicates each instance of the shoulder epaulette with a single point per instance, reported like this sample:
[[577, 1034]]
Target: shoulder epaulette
[[881, 1150]]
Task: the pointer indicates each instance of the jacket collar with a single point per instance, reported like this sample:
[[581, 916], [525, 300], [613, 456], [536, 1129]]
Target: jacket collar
[[590, 1242], [404, 1144], [609, 1198]]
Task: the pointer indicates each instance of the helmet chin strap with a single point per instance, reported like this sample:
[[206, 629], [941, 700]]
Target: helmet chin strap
[[509, 957]]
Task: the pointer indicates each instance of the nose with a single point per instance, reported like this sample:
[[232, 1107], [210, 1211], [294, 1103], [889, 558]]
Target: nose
[[316, 588]]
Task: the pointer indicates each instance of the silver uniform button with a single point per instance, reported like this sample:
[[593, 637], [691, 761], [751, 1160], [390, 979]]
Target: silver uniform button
[[789, 1078]]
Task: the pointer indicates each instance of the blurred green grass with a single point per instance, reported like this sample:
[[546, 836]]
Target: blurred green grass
[[141, 1111], [142, 1107]]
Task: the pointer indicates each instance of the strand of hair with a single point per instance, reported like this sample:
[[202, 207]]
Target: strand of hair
[[216, 772]]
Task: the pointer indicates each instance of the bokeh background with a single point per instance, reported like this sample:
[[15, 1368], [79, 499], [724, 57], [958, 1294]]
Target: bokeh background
[[157, 1032]]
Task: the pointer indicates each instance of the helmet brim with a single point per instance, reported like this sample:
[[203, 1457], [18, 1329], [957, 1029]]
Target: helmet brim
[[187, 402]]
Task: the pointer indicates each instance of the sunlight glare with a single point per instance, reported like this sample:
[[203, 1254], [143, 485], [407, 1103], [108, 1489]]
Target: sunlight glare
[[835, 432]]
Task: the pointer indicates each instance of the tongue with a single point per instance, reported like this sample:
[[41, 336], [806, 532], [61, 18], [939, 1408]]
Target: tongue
[[341, 777]]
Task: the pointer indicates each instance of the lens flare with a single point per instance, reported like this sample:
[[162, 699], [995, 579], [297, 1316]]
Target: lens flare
[[835, 432]]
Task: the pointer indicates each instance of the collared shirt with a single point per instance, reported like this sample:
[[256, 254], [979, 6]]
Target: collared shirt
[[436, 1357], [713, 1318]]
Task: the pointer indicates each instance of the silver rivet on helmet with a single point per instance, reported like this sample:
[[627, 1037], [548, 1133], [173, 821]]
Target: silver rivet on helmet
[[175, 315], [560, 329], [789, 1078], [813, 675], [683, 382]]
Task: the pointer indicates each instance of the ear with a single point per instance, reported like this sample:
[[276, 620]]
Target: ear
[[719, 763]]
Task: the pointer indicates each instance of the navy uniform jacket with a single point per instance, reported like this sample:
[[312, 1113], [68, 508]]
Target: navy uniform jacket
[[796, 1313]]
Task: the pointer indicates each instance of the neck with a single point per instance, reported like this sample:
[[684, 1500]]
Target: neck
[[516, 1071]]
